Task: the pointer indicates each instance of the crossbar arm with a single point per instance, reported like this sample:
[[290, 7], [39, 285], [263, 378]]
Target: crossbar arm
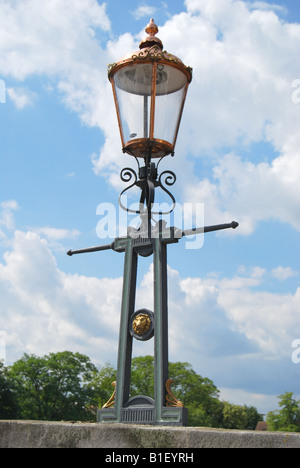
[[99, 248], [218, 227]]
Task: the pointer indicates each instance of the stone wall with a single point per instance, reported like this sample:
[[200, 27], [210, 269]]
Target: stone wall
[[40, 434]]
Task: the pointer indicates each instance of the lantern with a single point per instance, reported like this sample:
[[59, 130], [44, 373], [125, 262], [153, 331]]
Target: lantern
[[149, 88]]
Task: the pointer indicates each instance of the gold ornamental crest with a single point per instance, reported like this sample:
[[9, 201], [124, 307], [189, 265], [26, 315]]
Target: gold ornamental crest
[[142, 325]]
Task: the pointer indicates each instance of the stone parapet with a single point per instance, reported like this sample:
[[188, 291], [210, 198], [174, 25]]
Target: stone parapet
[[43, 434]]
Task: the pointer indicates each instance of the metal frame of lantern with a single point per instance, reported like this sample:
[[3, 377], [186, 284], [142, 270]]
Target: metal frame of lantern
[[148, 143], [149, 74]]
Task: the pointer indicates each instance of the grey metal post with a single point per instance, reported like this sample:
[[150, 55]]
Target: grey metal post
[[160, 325], [125, 339]]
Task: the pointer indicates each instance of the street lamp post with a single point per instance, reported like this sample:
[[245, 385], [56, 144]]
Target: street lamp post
[[149, 88]]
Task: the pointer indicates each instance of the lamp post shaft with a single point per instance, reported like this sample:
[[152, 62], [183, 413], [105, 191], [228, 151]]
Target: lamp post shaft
[[160, 325], [125, 339]]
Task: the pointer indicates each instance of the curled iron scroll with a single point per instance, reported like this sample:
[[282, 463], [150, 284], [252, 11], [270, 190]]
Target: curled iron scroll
[[169, 180], [126, 175], [147, 187]]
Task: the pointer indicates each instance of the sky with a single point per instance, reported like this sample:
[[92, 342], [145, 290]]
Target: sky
[[234, 296]]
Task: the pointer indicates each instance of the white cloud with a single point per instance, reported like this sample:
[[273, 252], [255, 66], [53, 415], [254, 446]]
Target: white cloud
[[57, 40], [143, 11], [263, 403], [257, 5], [46, 37], [56, 234], [250, 192], [283, 273], [21, 97], [44, 309], [7, 221]]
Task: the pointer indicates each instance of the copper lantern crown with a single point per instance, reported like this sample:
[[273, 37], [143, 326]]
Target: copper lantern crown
[[149, 88]]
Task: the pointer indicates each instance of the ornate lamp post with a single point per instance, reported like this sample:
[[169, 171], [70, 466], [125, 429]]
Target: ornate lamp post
[[149, 88]]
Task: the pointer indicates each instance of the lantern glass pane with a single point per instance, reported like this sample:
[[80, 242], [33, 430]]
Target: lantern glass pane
[[133, 85], [168, 103], [135, 79], [133, 89], [169, 79], [167, 112], [135, 114]]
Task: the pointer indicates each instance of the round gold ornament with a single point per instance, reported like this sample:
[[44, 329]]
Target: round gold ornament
[[142, 325]]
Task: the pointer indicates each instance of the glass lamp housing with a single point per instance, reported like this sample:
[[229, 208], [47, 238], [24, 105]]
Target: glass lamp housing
[[149, 89]]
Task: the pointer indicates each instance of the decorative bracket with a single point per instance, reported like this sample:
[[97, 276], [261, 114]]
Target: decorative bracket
[[171, 398], [111, 401], [147, 181]]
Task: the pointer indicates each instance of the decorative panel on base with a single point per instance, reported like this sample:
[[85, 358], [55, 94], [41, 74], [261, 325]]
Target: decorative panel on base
[[145, 415]]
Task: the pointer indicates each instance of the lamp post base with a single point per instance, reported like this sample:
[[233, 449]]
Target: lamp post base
[[165, 409], [145, 414]]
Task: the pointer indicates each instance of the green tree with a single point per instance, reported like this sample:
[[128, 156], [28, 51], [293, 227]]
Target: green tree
[[142, 376], [8, 400], [53, 387], [252, 417], [101, 384], [68, 386], [239, 417], [199, 395], [286, 419]]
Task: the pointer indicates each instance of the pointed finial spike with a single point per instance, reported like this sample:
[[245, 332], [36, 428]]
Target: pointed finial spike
[[151, 28]]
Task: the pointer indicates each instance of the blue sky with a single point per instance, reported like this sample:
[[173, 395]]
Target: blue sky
[[233, 304]]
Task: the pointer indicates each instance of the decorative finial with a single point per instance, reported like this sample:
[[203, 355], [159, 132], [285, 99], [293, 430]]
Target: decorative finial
[[151, 28], [151, 40]]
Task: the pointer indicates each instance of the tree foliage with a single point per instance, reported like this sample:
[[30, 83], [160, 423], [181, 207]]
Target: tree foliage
[[286, 419], [8, 401], [53, 387]]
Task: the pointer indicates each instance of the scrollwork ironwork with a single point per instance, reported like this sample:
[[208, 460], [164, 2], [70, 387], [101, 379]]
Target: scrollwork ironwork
[[147, 184], [152, 53], [126, 175], [171, 400], [111, 401], [170, 180]]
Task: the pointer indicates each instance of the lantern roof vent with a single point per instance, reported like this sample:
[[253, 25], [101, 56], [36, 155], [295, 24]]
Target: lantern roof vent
[[151, 40]]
